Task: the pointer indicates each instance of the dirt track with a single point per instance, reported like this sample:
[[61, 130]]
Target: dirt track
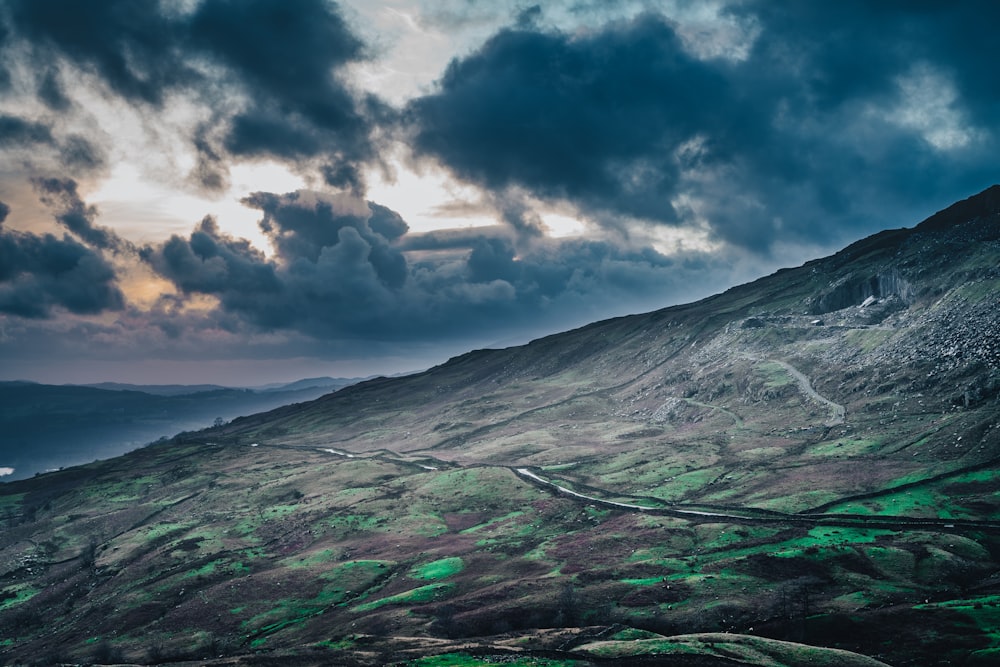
[[839, 412]]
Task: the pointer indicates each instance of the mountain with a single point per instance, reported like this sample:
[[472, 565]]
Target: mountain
[[801, 470], [45, 427]]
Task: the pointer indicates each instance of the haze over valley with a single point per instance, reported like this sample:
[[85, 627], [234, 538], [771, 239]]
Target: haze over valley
[[46, 427]]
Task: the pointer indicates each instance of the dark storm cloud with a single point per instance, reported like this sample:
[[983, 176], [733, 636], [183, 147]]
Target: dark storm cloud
[[286, 54], [346, 268], [136, 51], [280, 59], [4, 74], [854, 49], [73, 213], [806, 139], [18, 132], [212, 263], [41, 272], [50, 92], [328, 276], [303, 226], [386, 222], [594, 119], [37, 138]]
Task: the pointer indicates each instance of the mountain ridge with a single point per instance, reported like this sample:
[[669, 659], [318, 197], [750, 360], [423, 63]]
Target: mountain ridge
[[808, 463]]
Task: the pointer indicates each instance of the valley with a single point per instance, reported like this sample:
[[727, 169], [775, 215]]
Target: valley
[[801, 470], [47, 427]]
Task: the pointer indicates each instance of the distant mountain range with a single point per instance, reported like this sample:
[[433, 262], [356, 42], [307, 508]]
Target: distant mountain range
[[45, 427], [181, 389]]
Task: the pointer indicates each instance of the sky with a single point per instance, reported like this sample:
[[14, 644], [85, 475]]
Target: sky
[[250, 191]]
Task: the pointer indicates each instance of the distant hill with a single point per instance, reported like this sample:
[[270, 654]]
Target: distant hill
[[182, 389], [157, 389], [45, 427], [803, 470]]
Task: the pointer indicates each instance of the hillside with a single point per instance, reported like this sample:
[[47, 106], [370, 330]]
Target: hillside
[[801, 470]]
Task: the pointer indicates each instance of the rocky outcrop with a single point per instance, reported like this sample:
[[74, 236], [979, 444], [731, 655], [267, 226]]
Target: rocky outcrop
[[854, 290]]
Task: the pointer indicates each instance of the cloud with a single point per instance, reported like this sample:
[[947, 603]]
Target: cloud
[[594, 119], [286, 56], [74, 214], [303, 225], [330, 269], [16, 131], [264, 76], [36, 143], [39, 273], [347, 269], [812, 135], [134, 50]]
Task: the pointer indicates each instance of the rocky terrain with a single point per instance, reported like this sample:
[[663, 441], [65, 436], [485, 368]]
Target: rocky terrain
[[801, 470]]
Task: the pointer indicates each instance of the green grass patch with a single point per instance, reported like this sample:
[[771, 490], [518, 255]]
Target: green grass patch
[[915, 502], [507, 535], [494, 521], [422, 594], [829, 536], [983, 611], [205, 570], [354, 522], [898, 563], [342, 584], [343, 644], [165, 529], [630, 634], [293, 611], [466, 660], [646, 581], [10, 500], [855, 600], [845, 447], [324, 557], [15, 595], [439, 569]]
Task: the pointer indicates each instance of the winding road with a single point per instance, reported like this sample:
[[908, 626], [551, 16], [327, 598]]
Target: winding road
[[752, 515], [838, 412]]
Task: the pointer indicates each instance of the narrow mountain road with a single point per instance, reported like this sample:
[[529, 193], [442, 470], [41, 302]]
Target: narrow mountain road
[[754, 515], [837, 411]]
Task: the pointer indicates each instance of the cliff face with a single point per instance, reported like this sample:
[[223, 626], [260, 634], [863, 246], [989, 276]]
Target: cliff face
[[864, 291]]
